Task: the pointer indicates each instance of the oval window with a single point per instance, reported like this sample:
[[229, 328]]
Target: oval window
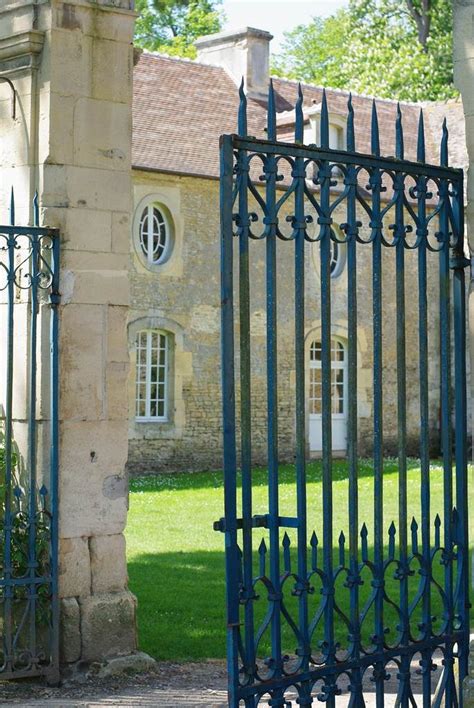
[[154, 234], [337, 257]]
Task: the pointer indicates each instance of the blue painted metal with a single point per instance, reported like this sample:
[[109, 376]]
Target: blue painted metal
[[29, 267], [393, 208]]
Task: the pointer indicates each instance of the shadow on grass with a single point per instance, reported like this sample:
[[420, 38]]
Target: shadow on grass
[[287, 475], [181, 601], [181, 605]]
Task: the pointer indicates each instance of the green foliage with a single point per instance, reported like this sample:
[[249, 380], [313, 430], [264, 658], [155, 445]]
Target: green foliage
[[374, 47], [172, 26]]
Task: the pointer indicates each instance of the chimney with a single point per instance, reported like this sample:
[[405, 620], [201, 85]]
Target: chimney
[[242, 53]]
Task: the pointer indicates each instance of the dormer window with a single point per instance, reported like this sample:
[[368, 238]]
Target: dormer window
[[312, 129]]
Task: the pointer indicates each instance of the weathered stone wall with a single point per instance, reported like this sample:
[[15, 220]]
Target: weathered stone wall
[[182, 297], [71, 63]]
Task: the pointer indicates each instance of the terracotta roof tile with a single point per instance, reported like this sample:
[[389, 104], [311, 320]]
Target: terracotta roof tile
[[181, 107]]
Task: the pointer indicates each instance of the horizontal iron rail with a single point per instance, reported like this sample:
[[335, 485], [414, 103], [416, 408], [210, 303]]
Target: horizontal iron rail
[[258, 522], [350, 158], [336, 669], [28, 230], [43, 580]]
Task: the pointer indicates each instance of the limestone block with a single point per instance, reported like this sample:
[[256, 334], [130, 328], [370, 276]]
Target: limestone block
[[96, 24], [463, 23], [116, 390], [77, 260], [119, 30], [117, 336], [82, 356], [54, 187], [57, 145], [463, 78], [101, 133], [135, 663], [108, 563], [71, 63], [112, 77], [95, 188], [121, 232], [17, 17], [70, 631], [107, 287], [74, 567], [14, 149], [468, 685], [93, 485], [88, 230], [108, 625]]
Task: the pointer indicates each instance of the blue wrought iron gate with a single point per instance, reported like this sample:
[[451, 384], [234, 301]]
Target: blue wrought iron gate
[[312, 616], [29, 299]]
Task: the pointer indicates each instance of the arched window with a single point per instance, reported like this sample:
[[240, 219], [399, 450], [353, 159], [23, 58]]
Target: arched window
[[338, 378], [152, 356], [154, 234]]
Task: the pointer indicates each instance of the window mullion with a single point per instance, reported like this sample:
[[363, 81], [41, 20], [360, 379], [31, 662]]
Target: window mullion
[[148, 375], [151, 229], [165, 379]]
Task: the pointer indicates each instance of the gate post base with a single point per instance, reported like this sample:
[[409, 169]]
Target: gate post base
[[468, 685], [98, 627]]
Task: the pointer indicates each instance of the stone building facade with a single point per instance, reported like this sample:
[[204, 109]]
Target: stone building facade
[[180, 110]]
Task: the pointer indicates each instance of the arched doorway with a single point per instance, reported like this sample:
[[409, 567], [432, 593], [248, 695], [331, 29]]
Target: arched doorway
[[338, 396]]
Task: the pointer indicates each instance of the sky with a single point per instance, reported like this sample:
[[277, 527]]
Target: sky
[[276, 16]]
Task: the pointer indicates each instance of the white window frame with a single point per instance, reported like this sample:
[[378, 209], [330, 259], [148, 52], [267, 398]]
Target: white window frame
[[148, 418], [337, 265], [149, 208], [336, 364]]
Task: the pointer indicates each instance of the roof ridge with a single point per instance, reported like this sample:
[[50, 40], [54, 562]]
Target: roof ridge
[[366, 95], [186, 60], [345, 91]]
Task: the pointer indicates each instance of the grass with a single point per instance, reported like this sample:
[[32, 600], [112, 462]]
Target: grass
[[176, 560]]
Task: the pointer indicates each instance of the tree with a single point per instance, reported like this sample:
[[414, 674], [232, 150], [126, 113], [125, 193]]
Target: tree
[[386, 48], [172, 26]]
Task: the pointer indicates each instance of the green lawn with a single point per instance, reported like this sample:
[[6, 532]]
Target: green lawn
[[176, 560]]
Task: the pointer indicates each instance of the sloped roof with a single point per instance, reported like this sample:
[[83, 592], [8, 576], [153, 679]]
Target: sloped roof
[[181, 107]]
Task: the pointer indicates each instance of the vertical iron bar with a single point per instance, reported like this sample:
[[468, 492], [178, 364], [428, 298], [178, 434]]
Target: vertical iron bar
[[228, 402], [245, 393], [376, 184], [422, 236], [403, 572], [324, 179], [353, 502], [446, 408], [32, 473], [272, 395], [459, 297], [299, 229], [8, 570], [54, 453]]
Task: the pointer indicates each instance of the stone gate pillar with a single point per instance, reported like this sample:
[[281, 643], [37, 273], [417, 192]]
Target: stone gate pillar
[[464, 79], [71, 66]]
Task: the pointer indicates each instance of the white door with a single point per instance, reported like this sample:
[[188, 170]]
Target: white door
[[338, 396]]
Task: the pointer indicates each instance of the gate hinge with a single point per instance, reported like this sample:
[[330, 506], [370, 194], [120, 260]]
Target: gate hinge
[[459, 262], [259, 521]]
